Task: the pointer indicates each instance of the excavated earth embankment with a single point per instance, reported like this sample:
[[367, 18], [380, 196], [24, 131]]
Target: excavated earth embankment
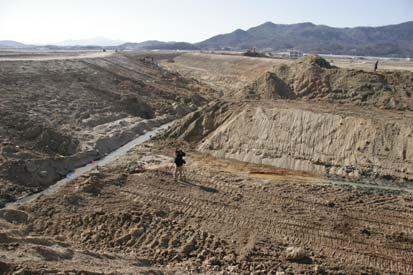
[[373, 146], [56, 115], [308, 115]]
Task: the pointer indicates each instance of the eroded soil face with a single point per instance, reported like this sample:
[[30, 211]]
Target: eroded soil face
[[225, 216], [349, 142]]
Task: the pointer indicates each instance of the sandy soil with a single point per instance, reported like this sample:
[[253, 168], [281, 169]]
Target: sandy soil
[[226, 216], [368, 65], [56, 115], [225, 73]]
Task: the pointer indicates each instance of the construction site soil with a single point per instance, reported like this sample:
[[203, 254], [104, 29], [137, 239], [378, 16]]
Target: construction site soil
[[56, 115], [264, 138]]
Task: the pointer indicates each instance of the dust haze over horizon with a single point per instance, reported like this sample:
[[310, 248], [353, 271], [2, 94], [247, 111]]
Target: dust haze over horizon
[[47, 21]]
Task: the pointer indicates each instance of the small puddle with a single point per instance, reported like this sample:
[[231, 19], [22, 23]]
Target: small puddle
[[84, 169]]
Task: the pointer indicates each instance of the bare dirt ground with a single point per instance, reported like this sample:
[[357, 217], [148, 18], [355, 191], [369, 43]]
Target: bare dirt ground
[[225, 73], [226, 217], [257, 197], [349, 83], [59, 114], [368, 65]]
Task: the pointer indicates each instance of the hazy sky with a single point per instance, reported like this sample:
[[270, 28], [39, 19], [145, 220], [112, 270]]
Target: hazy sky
[[46, 21]]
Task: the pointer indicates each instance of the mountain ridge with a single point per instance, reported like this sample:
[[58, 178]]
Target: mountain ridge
[[388, 40], [395, 40]]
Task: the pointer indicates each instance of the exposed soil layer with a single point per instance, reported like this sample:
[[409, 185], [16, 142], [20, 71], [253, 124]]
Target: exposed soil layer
[[350, 142], [56, 115], [304, 115], [226, 216]]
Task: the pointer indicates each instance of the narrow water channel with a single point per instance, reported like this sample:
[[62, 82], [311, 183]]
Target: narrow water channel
[[84, 169]]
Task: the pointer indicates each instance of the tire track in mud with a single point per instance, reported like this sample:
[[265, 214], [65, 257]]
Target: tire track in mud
[[386, 217], [360, 252]]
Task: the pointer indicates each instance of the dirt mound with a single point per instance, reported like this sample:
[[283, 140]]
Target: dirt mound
[[315, 60], [309, 78], [267, 86], [196, 125], [314, 78]]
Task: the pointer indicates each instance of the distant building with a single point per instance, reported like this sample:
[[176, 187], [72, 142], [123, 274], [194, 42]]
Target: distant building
[[295, 54]]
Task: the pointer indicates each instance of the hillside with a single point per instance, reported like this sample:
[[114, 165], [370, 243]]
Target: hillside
[[391, 40], [11, 44]]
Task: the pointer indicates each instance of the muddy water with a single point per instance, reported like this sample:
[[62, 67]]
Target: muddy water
[[87, 168]]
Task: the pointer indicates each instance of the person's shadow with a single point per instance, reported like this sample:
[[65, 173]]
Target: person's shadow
[[203, 188]]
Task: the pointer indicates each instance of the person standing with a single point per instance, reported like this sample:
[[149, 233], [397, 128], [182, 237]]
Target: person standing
[[376, 65], [179, 164]]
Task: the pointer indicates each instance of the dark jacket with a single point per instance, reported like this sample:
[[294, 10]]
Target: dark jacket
[[179, 158]]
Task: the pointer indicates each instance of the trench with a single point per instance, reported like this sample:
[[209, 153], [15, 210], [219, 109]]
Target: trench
[[114, 155]]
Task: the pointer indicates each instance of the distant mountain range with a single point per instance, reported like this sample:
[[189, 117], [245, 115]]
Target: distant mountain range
[[390, 40], [11, 44]]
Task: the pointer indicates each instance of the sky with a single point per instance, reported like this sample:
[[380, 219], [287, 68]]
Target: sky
[[50, 21]]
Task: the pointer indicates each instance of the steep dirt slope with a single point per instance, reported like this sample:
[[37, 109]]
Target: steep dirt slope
[[354, 143], [59, 114], [267, 86]]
